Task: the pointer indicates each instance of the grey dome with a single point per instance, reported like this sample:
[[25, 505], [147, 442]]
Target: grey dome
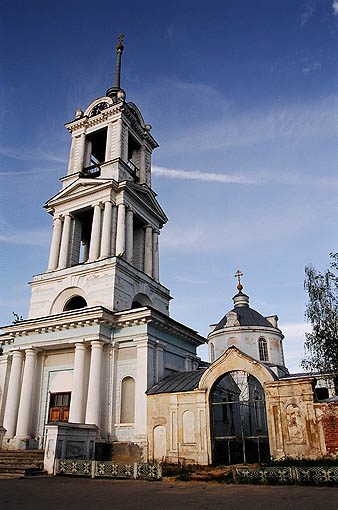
[[246, 316]]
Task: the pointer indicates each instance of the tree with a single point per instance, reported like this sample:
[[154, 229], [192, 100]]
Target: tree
[[321, 345]]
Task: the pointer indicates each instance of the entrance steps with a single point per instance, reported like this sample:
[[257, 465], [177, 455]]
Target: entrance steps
[[20, 463]]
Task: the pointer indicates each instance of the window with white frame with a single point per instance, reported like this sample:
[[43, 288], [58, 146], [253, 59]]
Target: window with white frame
[[263, 349]]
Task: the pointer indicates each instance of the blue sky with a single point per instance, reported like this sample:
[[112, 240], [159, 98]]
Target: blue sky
[[243, 99]]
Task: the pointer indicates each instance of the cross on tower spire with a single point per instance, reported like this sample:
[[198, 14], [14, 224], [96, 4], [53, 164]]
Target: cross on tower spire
[[238, 275]]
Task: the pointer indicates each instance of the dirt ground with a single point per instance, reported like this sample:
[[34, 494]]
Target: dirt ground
[[80, 494]]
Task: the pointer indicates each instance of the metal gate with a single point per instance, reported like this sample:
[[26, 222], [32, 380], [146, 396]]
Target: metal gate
[[238, 420]]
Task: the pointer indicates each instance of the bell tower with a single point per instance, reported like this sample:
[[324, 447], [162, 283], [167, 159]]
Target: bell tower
[[106, 219]]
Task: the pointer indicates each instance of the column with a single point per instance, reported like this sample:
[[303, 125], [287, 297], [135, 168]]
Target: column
[[121, 230], [71, 156], [55, 245], [13, 394], [144, 374], [148, 251], [106, 230], [85, 256], [109, 142], [81, 152], [87, 153], [64, 248], [143, 165], [113, 232], [94, 385], [130, 236], [77, 401], [94, 247], [23, 429], [155, 256], [119, 139]]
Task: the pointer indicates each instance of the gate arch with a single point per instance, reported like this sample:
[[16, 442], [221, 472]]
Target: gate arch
[[238, 423], [234, 383]]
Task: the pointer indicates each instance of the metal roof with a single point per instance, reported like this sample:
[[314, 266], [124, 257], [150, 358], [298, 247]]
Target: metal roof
[[181, 381], [246, 317]]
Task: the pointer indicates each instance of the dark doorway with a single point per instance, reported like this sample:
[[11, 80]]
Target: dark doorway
[[238, 420], [59, 407]]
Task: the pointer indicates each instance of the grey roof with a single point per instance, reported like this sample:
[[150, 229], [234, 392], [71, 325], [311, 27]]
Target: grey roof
[[246, 317], [181, 381]]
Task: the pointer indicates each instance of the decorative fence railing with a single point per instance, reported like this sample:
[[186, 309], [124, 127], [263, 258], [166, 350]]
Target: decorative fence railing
[[108, 469], [316, 475]]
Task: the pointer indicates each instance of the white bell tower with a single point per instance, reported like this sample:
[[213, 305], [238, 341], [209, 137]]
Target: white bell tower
[[106, 219]]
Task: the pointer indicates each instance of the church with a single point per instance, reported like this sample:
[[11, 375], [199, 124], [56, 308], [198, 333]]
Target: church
[[99, 369]]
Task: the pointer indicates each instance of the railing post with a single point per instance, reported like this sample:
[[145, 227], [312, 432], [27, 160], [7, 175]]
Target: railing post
[[93, 468]]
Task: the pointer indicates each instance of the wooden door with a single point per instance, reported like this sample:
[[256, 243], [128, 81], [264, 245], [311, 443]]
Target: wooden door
[[59, 407]]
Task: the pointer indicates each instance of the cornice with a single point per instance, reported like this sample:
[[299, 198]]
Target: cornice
[[244, 329], [100, 316], [87, 122]]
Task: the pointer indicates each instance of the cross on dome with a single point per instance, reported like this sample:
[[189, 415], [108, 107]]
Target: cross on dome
[[238, 275]]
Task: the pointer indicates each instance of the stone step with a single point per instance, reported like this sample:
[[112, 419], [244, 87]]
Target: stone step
[[21, 460], [37, 453], [18, 468]]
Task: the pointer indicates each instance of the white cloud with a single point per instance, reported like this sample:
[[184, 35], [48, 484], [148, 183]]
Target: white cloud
[[307, 13], [258, 178], [201, 176], [28, 154], [27, 237], [335, 7], [30, 237], [257, 126]]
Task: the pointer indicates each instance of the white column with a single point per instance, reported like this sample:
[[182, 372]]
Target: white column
[[143, 366], [94, 385], [81, 152], [64, 248], [94, 247], [109, 142], [77, 401], [113, 231], [85, 256], [148, 251], [55, 245], [121, 230], [155, 256], [119, 138], [130, 236], [13, 394], [23, 429], [87, 153], [106, 230], [143, 165], [71, 156]]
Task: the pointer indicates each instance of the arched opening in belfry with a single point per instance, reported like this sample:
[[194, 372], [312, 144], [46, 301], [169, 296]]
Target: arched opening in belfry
[[239, 430], [75, 303], [141, 300]]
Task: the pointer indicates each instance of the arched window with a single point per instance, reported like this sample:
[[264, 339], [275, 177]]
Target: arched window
[[263, 349], [127, 400], [212, 352], [74, 303]]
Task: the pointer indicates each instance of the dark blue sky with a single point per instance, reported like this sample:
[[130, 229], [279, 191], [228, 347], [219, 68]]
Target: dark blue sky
[[242, 97]]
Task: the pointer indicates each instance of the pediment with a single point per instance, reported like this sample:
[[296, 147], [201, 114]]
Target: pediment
[[147, 197], [80, 187]]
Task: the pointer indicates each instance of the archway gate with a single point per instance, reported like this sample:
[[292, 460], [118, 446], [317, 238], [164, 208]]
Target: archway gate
[[239, 431]]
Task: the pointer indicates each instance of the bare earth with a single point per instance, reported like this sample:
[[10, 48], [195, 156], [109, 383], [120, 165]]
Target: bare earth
[[80, 494]]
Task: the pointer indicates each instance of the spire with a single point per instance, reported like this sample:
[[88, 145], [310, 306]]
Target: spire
[[112, 91], [240, 299]]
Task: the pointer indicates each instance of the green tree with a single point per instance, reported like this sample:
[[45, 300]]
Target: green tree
[[321, 345]]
